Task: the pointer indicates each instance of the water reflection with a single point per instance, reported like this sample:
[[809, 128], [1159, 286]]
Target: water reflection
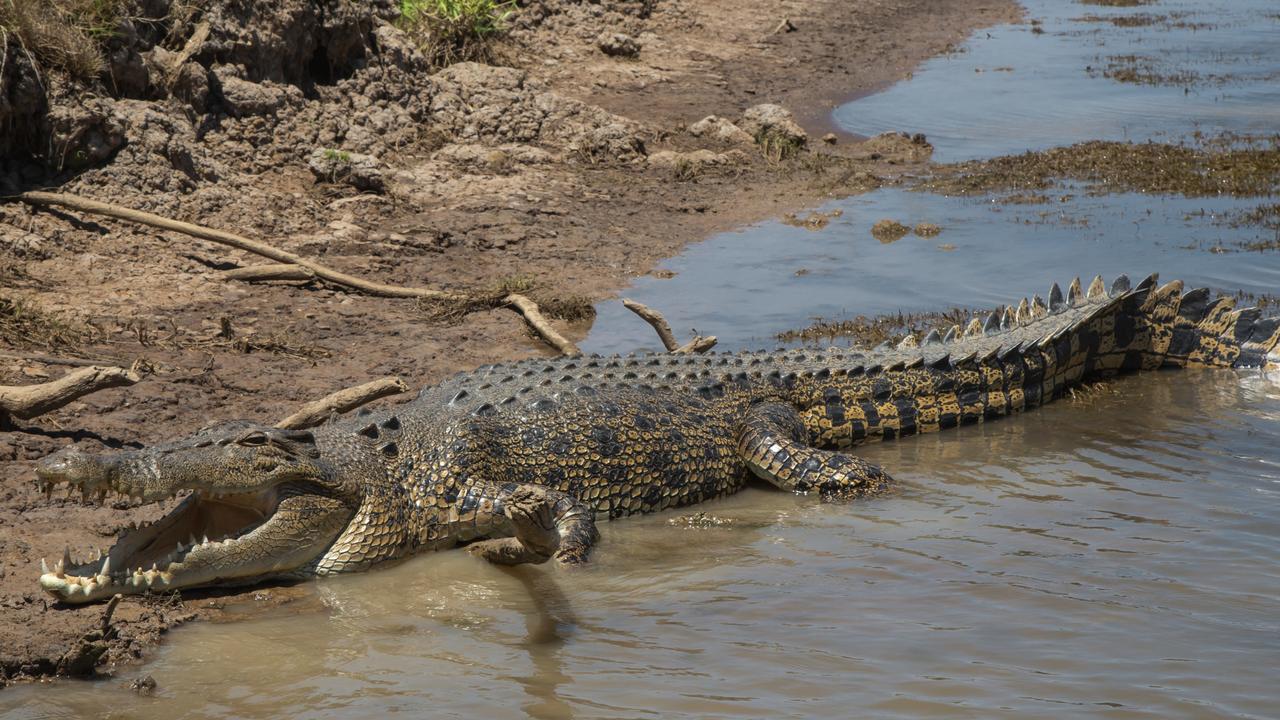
[[1086, 71]]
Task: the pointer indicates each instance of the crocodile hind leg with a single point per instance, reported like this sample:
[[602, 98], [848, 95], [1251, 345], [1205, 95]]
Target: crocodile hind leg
[[771, 441], [545, 523]]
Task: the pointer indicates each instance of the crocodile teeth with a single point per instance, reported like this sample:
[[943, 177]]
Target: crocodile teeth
[[44, 567], [106, 567]]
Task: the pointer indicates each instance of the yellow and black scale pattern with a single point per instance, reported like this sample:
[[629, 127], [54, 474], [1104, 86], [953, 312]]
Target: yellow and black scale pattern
[[616, 436]]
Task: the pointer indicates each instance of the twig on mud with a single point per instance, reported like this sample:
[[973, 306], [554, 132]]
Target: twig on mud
[[235, 241], [663, 328], [273, 271], [517, 302], [533, 316], [316, 412], [27, 401], [191, 47], [111, 610]]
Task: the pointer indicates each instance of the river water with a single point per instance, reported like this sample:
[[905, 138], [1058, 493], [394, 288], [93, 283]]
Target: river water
[[1114, 555]]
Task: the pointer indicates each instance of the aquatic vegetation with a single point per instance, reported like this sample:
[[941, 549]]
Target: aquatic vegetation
[[1216, 167], [871, 331]]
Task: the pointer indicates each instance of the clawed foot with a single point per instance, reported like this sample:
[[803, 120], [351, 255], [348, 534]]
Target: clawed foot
[[536, 539]]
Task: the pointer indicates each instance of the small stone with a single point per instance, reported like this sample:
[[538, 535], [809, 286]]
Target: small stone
[[773, 127], [362, 172], [830, 139], [720, 129], [616, 44], [145, 685]]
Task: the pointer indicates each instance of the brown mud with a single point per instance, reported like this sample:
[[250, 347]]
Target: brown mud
[[324, 132]]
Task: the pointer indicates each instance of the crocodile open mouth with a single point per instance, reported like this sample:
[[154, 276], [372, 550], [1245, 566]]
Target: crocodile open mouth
[[203, 526]]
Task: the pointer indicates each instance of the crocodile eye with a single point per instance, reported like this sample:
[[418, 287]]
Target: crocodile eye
[[256, 438]]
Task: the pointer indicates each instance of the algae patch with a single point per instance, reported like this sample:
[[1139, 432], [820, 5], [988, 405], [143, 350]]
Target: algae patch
[[1240, 167], [871, 331]]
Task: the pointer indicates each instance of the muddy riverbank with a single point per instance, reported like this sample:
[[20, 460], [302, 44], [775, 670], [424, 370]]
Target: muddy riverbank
[[555, 170]]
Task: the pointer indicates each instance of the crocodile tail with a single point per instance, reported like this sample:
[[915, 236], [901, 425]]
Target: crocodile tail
[[1161, 326], [1096, 335]]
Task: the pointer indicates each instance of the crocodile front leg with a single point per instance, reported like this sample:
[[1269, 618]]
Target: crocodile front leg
[[545, 523], [771, 441]]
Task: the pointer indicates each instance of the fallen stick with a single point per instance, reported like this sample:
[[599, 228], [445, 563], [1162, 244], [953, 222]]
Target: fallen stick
[[238, 242], [273, 271], [316, 412], [533, 316], [654, 318], [27, 401], [520, 303], [663, 328]]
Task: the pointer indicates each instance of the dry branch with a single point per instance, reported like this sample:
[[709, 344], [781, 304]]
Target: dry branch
[[663, 328], [699, 344], [654, 318], [533, 316], [27, 401], [520, 303], [316, 412], [272, 271], [192, 46], [238, 242]]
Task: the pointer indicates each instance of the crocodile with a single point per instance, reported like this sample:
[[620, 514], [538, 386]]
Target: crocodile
[[518, 461]]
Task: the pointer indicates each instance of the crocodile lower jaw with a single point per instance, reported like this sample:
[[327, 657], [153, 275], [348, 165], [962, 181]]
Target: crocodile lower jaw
[[152, 556]]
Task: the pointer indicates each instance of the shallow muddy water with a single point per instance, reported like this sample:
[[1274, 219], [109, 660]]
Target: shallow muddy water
[[1115, 557]]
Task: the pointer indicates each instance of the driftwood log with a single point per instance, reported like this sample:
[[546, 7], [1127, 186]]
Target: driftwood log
[[27, 401], [663, 328], [318, 411]]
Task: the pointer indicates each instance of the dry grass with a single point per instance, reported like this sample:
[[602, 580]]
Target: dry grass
[[556, 305], [25, 325], [61, 35]]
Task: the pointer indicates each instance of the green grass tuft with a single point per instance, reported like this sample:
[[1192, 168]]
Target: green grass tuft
[[449, 31]]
